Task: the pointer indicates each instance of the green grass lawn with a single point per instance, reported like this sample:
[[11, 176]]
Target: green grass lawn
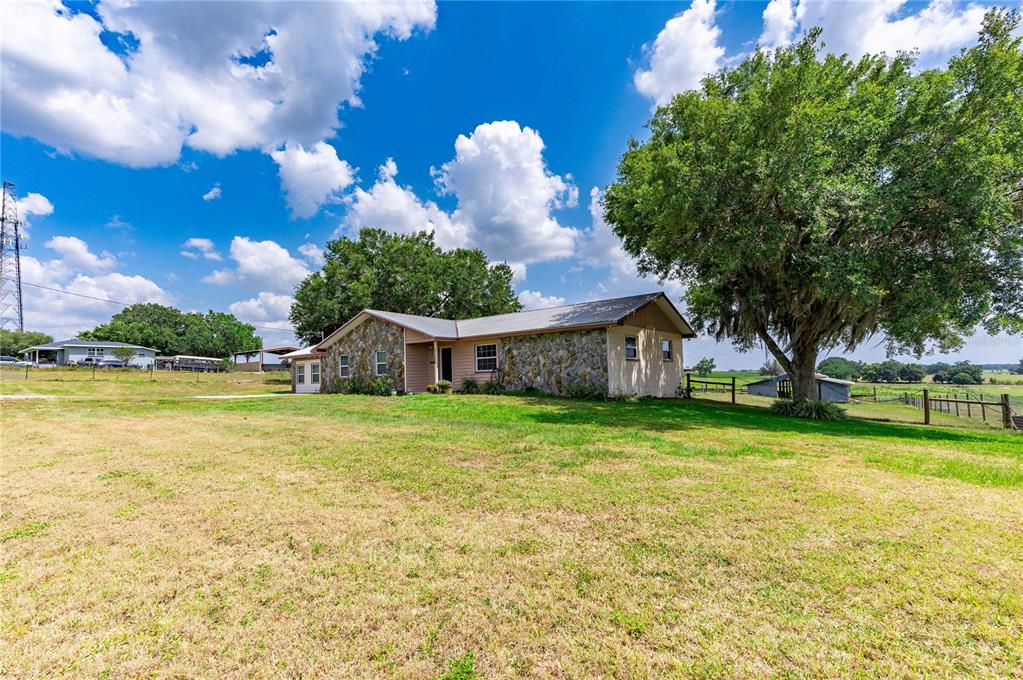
[[330, 535]]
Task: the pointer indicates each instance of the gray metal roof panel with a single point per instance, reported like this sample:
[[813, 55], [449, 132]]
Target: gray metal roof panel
[[594, 313], [428, 325]]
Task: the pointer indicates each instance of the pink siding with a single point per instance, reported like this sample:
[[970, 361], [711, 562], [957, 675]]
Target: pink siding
[[416, 336], [418, 366], [463, 360]]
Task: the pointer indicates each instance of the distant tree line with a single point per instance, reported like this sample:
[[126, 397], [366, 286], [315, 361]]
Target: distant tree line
[[892, 371], [170, 331], [12, 342]]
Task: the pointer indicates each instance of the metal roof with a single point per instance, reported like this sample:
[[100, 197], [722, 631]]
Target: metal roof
[[75, 342], [427, 325], [785, 376], [595, 313]]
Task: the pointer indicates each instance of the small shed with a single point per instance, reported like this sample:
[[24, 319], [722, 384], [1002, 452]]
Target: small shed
[[828, 389]]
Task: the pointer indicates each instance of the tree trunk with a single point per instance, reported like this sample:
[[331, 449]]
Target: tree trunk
[[803, 374]]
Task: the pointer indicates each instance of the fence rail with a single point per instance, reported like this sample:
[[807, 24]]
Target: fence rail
[[962, 408], [710, 386]]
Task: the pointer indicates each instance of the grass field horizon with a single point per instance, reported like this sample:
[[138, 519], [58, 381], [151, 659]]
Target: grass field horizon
[[325, 535]]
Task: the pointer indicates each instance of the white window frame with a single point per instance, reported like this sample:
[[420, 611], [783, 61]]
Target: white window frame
[[378, 363], [634, 348], [314, 373], [343, 366], [671, 353], [300, 373], [95, 351], [478, 357]]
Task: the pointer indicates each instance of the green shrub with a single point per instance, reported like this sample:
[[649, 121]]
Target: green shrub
[[492, 387], [470, 386], [811, 409], [444, 386], [584, 391], [381, 387]]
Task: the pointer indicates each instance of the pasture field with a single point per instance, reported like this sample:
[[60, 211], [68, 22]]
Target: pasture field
[[475, 536], [123, 384]]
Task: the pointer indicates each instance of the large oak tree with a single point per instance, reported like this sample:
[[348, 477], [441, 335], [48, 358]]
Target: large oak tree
[[405, 273], [810, 202]]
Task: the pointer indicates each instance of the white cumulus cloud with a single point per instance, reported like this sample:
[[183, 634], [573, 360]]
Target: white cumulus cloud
[[779, 24], [52, 310], [217, 77], [506, 194], [534, 299], [312, 176], [937, 29], [685, 50], [195, 248], [505, 198], [265, 265], [387, 205], [213, 194], [76, 255], [312, 253]]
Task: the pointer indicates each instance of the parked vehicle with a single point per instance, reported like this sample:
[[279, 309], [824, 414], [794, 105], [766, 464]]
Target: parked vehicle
[[109, 362], [24, 363], [8, 361]]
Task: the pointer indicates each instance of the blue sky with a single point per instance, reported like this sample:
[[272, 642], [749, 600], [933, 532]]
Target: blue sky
[[200, 155]]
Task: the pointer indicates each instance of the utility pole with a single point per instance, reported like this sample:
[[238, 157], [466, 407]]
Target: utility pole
[[12, 313]]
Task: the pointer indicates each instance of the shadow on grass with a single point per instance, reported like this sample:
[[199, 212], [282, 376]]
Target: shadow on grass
[[663, 415]]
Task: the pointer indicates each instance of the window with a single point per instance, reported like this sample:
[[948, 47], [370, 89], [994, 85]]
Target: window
[[300, 376], [381, 363], [342, 366], [486, 357], [140, 353], [94, 351], [314, 373], [666, 350], [631, 351]]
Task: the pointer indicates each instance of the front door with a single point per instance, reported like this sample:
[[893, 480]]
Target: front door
[[445, 363]]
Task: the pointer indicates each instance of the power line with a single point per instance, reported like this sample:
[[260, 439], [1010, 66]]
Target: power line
[[125, 304]]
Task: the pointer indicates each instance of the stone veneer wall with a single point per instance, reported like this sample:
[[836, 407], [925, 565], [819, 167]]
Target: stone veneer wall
[[361, 345], [551, 361]]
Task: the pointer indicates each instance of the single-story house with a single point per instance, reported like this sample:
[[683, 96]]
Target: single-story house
[[261, 360], [73, 351], [828, 389], [625, 346]]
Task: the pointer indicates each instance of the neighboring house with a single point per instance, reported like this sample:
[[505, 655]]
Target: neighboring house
[[828, 389], [625, 346], [261, 360], [75, 351]]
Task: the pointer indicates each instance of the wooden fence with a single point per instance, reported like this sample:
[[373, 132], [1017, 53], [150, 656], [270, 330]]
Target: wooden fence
[[962, 408], [710, 386]]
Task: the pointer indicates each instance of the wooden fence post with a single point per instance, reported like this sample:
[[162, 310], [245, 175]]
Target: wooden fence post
[[875, 393], [1006, 418], [983, 408], [689, 384], [733, 389], [927, 408]]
